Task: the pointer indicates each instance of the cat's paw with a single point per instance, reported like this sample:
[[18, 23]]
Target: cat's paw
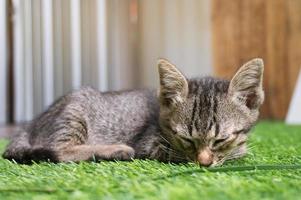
[[123, 152]]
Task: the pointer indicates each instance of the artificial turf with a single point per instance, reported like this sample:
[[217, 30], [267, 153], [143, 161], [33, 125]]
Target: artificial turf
[[272, 143]]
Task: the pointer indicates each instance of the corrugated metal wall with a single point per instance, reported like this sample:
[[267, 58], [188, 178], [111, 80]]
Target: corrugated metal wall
[[3, 62], [60, 45], [175, 29]]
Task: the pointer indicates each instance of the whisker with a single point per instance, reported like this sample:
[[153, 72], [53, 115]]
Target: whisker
[[170, 150], [218, 163], [165, 139], [234, 156], [251, 145], [250, 148], [173, 153]]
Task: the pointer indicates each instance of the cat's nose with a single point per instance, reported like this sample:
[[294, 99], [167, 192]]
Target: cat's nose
[[205, 157]]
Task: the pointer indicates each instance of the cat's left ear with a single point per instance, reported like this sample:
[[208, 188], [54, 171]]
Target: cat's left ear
[[246, 85], [173, 84]]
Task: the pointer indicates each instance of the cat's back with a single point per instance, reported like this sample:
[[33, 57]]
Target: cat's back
[[124, 103], [106, 116], [91, 98], [117, 115]]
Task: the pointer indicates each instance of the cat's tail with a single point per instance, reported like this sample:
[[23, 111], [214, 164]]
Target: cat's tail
[[20, 151]]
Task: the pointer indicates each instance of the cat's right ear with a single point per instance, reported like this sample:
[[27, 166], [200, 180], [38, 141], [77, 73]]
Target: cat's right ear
[[246, 85], [173, 84]]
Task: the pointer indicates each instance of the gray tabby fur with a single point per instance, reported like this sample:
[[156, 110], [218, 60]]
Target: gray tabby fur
[[206, 120]]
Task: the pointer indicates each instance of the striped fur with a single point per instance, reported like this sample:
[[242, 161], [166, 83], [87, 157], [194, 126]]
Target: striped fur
[[203, 119]]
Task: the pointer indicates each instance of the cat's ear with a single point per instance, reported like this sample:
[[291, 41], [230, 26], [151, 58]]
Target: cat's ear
[[173, 84], [246, 85]]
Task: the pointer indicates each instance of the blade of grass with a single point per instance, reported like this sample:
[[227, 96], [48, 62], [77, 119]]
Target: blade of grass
[[33, 190], [233, 169]]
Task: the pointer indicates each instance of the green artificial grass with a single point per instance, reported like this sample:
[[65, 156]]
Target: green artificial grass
[[271, 170]]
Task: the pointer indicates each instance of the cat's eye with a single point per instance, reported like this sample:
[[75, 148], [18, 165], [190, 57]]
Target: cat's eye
[[238, 132], [241, 143], [219, 141], [241, 131], [187, 143]]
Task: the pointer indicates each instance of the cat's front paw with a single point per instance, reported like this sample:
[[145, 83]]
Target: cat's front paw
[[123, 152]]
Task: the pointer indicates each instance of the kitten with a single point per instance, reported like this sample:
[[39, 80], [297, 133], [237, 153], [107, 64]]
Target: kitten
[[205, 120]]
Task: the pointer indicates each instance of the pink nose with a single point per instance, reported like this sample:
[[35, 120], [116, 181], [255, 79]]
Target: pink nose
[[205, 157]]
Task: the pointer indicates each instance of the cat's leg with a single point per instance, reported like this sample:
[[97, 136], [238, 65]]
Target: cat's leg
[[95, 152]]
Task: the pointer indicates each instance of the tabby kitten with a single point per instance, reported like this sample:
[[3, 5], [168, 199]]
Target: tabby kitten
[[205, 120]]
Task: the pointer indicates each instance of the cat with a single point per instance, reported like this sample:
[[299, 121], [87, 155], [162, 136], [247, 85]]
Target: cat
[[203, 120]]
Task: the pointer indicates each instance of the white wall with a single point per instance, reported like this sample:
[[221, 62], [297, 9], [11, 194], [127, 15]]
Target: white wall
[[3, 61], [294, 112]]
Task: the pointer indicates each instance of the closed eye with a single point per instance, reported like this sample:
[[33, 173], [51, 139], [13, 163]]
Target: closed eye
[[238, 132], [241, 131], [188, 143], [241, 143], [219, 141]]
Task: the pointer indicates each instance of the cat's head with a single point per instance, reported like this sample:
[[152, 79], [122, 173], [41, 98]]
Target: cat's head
[[208, 119]]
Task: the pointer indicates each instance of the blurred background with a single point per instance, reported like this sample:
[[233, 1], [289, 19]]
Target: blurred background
[[50, 47]]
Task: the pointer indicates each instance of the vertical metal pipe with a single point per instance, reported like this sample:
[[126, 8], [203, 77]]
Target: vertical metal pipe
[[76, 43], [3, 61], [58, 48], [19, 92], [28, 63], [102, 45], [48, 52]]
